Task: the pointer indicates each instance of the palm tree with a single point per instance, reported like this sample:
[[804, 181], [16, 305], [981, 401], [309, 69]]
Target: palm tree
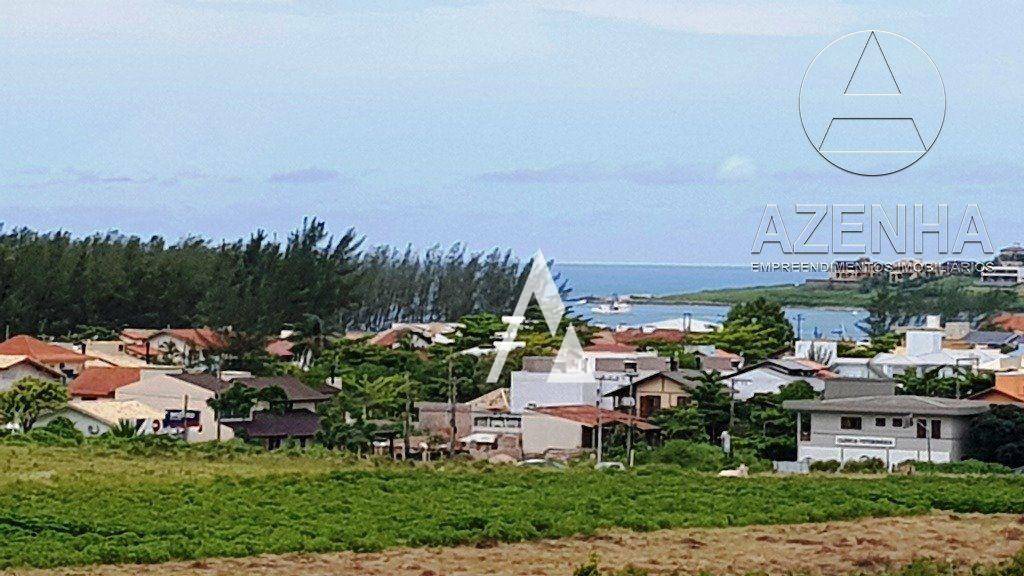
[[307, 337]]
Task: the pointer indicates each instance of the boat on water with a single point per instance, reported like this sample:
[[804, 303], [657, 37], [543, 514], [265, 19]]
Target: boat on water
[[613, 308]]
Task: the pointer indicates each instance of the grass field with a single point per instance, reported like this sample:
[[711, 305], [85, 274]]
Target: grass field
[[62, 506]]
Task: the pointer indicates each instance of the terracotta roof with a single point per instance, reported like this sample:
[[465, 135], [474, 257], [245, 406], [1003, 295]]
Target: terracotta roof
[[205, 338], [102, 382], [280, 348], [291, 424], [610, 347], [36, 349], [633, 335], [1014, 322], [587, 415]]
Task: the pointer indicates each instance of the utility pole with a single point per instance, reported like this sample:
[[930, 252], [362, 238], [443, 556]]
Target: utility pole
[[406, 424], [184, 420], [632, 418], [597, 405], [451, 407]]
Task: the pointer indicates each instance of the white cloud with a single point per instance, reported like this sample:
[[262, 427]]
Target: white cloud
[[739, 19], [736, 168]]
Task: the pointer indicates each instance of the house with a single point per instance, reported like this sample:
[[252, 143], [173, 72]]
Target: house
[[852, 271], [14, 368], [1001, 276], [273, 429], [715, 359], [299, 396], [96, 383], [924, 351], [665, 389], [93, 418], [484, 426], [182, 401], [67, 362], [874, 422], [110, 353], [579, 380], [1008, 389], [187, 346], [686, 324], [571, 428], [992, 339], [770, 376]]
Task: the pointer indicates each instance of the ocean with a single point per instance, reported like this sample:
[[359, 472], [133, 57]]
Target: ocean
[[658, 280]]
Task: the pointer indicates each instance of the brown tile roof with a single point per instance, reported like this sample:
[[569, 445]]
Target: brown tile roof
[[293, 388], [207, 381], [587, 415], [610, 347], [36, 349], [291, 424], [101, 382]]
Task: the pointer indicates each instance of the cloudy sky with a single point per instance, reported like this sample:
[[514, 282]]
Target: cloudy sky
[[648, 131]]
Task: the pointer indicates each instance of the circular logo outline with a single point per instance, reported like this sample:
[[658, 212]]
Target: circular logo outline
[[803, 81]]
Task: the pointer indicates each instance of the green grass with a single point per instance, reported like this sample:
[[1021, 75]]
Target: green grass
[[786, 295], [63, 506]]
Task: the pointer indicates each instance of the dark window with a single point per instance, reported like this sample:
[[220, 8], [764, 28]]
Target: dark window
[[880, 422], [481, 421], [897, 422], [805, 427], [850, 423], [936, 428], [922, 428]]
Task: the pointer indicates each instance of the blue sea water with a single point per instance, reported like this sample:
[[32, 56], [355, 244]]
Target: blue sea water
[[623, 279]]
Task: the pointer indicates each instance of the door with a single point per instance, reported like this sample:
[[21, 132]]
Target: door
[[649, 405]]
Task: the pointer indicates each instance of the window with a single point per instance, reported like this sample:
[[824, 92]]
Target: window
[[897, 422], [880, 422], [937, 429], [922, 428], [850, 423]]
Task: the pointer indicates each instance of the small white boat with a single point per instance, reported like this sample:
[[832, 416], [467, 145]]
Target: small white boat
[[613, 308]]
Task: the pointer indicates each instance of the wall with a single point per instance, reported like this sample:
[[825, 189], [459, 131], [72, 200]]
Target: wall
[[11, 375], [541, 432], [87, 425], [164, 392]]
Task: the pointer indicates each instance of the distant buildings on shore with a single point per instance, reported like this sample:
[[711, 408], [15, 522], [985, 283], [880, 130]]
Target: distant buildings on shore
[[1005, 270]]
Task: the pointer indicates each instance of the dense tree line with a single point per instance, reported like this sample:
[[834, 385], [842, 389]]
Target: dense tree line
[[57, 284]]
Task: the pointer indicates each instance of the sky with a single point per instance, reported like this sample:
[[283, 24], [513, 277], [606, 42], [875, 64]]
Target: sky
[[599, 131]]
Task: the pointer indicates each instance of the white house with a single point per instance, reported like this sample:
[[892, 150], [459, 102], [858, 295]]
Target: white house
[[569, 428], [96, 417], [171, 393], [924, 351]]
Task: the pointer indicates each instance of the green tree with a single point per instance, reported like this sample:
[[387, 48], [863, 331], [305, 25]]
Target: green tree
[[30, 398]]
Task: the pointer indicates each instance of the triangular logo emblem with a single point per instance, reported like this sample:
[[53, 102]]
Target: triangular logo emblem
[[872, 76]]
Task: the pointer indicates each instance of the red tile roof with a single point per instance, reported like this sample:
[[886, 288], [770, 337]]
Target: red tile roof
[[101, 382], [612, 347], [1012, 322], [36, 349], [280, 348], [587, 415]]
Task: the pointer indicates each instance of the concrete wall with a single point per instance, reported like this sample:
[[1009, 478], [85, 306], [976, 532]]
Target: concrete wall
[[828, 441], [542, 432], [164, 392]]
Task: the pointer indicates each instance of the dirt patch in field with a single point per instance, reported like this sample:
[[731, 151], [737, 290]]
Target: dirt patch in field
[[831, 548]]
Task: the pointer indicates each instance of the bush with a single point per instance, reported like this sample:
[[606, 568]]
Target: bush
[[701, 457], [962, 467], [830, 466], [864, 466]]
